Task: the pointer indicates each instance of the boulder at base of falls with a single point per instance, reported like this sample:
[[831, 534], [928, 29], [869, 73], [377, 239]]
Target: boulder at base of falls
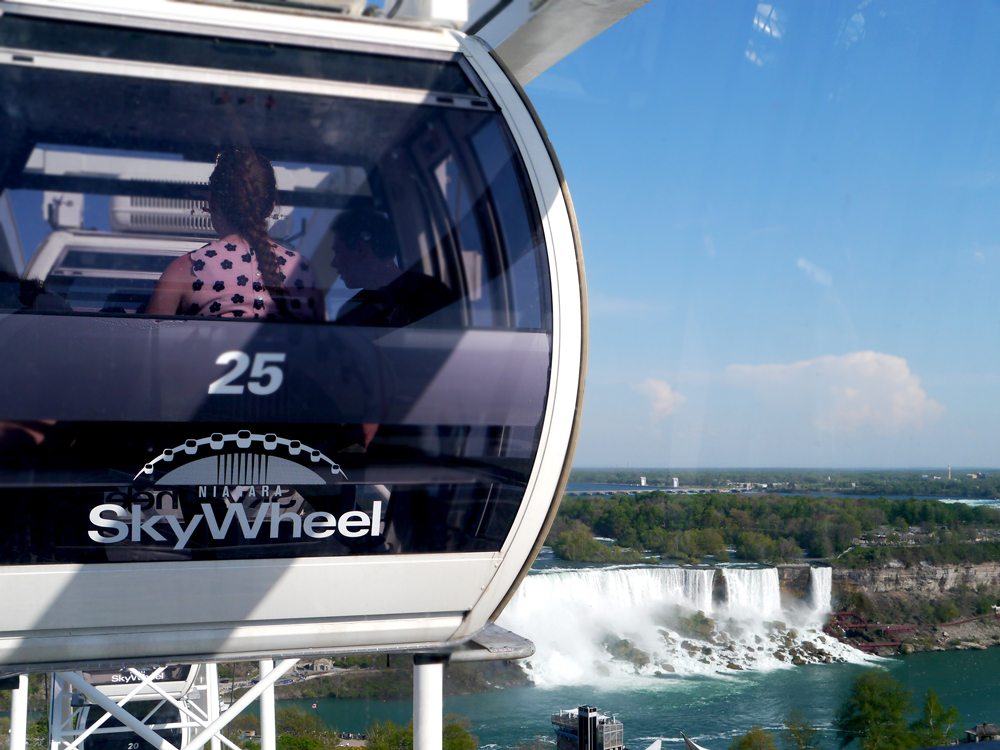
[[623, 649]]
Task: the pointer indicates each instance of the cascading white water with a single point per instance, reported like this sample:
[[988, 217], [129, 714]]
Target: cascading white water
[[694, 585], [821, 589], [752, 593], [595, 625]]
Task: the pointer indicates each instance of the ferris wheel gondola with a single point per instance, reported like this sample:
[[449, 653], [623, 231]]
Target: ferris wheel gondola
[[375, 475]]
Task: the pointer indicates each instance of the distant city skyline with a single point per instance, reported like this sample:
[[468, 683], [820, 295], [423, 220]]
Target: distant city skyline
[[790, 228]]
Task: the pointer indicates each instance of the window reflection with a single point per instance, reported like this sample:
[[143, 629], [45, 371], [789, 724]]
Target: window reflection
[[242, 273], [202, 261]]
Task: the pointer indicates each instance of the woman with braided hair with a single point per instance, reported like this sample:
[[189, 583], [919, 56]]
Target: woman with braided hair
[[242, 274]]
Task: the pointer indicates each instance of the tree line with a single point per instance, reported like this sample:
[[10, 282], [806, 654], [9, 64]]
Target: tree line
[[299, 729], [765, 528]]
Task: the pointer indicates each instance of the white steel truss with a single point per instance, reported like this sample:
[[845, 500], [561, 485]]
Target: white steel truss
[[198, 710], [197, 704]]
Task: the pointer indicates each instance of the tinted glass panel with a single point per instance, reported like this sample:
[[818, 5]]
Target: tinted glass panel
[[113, 735], [232, 54], [360, 369]]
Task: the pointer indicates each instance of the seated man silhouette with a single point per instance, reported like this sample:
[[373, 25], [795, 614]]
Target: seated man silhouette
[[365, 256], [365, 253]]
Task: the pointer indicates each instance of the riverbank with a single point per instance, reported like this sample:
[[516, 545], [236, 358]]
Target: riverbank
[[918, 607], [907, 608], [392, 679], [710, 710], [882, 639]]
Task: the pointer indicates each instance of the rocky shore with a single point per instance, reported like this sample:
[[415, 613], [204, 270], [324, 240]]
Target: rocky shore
[[920, 607]]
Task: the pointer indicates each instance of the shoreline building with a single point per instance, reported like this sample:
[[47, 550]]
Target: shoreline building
[[586, 728]]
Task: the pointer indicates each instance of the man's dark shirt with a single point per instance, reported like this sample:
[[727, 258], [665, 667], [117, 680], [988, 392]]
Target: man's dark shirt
[[410, 298]]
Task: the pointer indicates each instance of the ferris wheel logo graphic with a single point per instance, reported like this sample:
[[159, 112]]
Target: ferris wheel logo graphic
[[241, 458]]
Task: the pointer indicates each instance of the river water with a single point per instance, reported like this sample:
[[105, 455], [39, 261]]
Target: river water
[[711, 687], [710, 710]]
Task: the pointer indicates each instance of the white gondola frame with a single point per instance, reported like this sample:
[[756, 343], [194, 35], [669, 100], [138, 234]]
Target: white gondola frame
[[375, 608]]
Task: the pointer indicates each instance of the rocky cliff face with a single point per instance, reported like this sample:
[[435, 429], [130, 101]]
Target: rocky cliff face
[[943, 603], [924, 580], [794, 580]]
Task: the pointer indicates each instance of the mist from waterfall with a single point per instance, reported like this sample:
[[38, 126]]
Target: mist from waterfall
[[598, 625]]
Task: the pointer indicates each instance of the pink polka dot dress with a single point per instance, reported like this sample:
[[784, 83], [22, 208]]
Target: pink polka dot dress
[[226, 283]]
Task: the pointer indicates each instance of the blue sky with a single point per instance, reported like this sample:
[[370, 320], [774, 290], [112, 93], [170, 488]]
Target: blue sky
[[790, 225]]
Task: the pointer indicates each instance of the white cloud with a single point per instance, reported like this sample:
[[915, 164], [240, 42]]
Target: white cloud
[[853, 31], [663, 399], [844, 393], [604, 304], [984, 253], [820, 275]]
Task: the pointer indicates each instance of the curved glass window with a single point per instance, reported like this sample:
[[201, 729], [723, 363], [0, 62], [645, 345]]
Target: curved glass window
[[113, 735], [173, 389]]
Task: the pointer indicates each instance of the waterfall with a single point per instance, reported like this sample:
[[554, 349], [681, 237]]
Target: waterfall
[[690, 587], [752, 593], [597, 625], [821, 589]]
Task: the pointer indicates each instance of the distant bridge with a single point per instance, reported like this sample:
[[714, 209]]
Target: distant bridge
[[638, 490]]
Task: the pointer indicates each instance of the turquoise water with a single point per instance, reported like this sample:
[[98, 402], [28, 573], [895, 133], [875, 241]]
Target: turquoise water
[[710, 710]]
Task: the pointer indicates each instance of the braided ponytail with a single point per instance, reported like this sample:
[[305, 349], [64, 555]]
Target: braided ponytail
[[244, 189]]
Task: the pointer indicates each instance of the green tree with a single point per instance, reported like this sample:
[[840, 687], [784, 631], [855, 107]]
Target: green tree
[[298, 721], [299, 729], [244, 723], [457, 735], [946, 611], [294, 742], [388, 735], [935, 723], [754, 546], [575, 543], [38, 735], [799, 733], [874, 713], [789, 550], [755, 739], [578, 543]]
